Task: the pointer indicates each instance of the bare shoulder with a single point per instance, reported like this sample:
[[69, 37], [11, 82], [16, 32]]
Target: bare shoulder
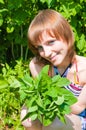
[[35, 67], [81, 58], [81, 62], [82, 68]]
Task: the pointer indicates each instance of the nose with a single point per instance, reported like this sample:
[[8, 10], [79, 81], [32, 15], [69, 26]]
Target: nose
[[47, 51]]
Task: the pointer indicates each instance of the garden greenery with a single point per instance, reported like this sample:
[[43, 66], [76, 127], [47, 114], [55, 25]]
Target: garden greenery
[[10, 104], [15, 17], [45, 97]]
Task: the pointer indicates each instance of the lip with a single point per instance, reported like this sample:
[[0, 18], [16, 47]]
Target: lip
[[53, 57]]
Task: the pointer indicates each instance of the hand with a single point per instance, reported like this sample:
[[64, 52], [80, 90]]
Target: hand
[[28, 124]]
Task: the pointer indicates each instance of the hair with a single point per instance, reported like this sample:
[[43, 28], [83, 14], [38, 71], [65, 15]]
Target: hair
[[54, 24]]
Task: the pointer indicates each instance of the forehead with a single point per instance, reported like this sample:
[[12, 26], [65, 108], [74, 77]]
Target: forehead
[[46, 36]]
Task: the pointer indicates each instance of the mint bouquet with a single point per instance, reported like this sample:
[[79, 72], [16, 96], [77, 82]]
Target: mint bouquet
[[45, 97]]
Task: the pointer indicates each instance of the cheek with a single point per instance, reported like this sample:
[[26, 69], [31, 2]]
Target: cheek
[[41, 54], [56, 48]]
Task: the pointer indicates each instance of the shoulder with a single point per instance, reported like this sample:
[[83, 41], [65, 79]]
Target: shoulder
[[81, 58], [81, 64], [35, 67], [79, 68]]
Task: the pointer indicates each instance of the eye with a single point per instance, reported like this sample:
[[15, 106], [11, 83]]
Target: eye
[[51, 42], [40, 48]]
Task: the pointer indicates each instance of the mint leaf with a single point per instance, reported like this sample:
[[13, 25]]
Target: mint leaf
[[60, 100]]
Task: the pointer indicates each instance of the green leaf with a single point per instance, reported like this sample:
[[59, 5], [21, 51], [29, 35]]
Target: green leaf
[[81, 43], [23, 96], [46, 121], [56, 78], [28, 80], [30, 101], [3, 84], [10, 29], [71, 99], [52, 92], [63, 82], [66, 109], [2, 1], [15, 84], [61, 117], [60, 81], [60, 100], [3, 10], [43, 1], [39, 102], [44, 70], [48, 2], [33, 109], [33, 116], [47, 102]]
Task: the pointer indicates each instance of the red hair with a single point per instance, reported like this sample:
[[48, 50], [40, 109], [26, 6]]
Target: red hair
[[53, 23]]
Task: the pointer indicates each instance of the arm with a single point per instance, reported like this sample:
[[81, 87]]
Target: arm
[[80, 105]]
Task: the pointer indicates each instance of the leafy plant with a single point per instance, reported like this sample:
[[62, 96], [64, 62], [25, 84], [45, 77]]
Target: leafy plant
[[45, 97], [10, 105]]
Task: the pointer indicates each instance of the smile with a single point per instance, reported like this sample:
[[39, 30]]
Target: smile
[[53, 57]]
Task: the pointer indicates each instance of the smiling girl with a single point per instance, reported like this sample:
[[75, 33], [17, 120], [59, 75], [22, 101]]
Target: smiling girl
[[52, 42]]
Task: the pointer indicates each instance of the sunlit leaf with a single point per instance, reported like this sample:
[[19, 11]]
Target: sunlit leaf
[[10, 29]]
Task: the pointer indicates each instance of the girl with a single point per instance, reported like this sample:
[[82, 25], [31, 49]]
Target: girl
[[52, 42]]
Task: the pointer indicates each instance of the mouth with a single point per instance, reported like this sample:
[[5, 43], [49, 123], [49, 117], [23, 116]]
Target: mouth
[[53, 58]]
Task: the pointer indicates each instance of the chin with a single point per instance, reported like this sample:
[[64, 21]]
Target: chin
[[55, 64]]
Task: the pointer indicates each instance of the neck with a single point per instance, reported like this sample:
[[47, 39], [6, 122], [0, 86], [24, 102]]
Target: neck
[[68, 60], [62, 67]]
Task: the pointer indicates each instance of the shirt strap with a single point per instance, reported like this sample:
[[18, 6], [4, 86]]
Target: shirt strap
[[64, 73]]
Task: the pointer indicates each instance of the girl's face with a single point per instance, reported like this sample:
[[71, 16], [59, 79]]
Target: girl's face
[[53, 50]]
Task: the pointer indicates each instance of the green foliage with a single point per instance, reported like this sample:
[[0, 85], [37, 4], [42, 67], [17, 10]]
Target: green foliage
[[10, 105], [46, 97], [15, 18]]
